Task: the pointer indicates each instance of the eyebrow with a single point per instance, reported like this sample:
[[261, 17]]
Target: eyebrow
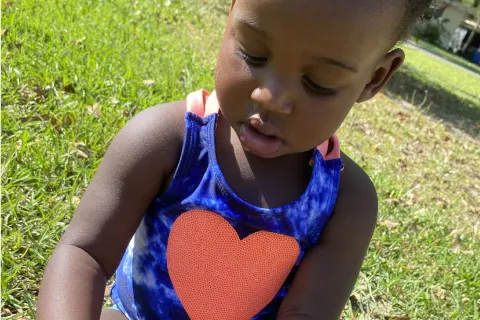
[[241, 19]]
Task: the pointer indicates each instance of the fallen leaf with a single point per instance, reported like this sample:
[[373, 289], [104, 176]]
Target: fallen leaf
[[69, 88], [410, 267], [75, 200], [56, 125], [355, 302], [94, 110], [389, 224], [402, 164], [42, 91], [79, 42], [81, 154], [393, 201], [148, 83], [67, 120], [440, 294], [79, 145], [7, 4], [414, 226], [402, 116], [456, 243], [6, 312]]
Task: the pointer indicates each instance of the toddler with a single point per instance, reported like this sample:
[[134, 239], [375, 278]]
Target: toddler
[[239, 204]]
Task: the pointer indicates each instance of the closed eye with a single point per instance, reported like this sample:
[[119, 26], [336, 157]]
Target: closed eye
[[255, 61], [315, 88]]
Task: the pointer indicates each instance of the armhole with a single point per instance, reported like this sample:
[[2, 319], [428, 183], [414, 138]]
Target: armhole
[[184, 159]]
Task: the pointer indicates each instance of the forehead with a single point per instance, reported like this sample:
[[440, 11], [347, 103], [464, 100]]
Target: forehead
[[335, 27]]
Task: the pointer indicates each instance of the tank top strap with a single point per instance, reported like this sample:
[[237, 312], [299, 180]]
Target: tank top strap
[[330, 149], [202, 103]]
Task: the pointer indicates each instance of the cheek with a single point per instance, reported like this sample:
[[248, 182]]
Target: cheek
[[232, 73], [320, 119], [234, 82]]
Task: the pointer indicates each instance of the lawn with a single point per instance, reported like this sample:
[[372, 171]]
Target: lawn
[[73, 72], [450, 56], [449, 93]]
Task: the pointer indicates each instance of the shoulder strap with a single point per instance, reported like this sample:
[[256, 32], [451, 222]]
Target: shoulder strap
[[202, 103], [330, 149]]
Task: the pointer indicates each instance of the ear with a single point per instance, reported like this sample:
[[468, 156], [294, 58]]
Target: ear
[[382, 74]]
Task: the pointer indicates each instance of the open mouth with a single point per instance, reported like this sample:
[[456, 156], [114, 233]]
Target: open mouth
[[259, 141]]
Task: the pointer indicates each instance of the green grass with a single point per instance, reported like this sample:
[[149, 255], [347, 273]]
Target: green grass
[[450, 56], [73, 72], [448, 92]]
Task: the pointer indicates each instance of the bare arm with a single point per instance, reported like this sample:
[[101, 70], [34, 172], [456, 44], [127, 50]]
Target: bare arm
[[328, 273], [137, 163]]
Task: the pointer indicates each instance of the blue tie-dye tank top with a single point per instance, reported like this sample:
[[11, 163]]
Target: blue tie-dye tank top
[[144, 288]]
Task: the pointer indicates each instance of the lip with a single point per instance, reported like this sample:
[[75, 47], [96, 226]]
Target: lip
[[264, 128], [260, 139]]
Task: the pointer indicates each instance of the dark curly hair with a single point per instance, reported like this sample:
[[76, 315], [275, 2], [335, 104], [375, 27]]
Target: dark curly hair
[[414, 11]]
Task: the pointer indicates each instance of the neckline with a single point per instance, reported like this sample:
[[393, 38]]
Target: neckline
[[212, 156]]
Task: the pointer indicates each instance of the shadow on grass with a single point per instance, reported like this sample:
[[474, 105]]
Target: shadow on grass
[[462, 113]]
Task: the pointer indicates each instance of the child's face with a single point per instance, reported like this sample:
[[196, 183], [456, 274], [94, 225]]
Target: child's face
[[289, 71]]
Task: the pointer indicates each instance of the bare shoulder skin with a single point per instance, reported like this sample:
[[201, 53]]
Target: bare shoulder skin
[[328, 273], [138, 162]]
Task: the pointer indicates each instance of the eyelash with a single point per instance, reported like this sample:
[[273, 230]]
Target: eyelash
[[258, 62], [315, 88]]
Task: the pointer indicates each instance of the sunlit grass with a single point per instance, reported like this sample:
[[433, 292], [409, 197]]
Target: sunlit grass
[[73, 72]]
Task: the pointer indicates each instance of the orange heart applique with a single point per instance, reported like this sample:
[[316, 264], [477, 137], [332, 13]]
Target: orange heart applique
[[218, 276]]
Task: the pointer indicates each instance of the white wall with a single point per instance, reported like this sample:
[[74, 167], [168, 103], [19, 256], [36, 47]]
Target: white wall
[[455, 17]]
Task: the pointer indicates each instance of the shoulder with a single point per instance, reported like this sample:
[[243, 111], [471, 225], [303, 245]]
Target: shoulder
[[357, 202], [356, 185], [158, 122], [153, 136]]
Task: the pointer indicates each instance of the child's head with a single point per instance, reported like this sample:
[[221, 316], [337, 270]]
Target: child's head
[[300, 65]]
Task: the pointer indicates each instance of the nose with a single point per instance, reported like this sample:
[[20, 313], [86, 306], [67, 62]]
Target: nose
[[274, 96]]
